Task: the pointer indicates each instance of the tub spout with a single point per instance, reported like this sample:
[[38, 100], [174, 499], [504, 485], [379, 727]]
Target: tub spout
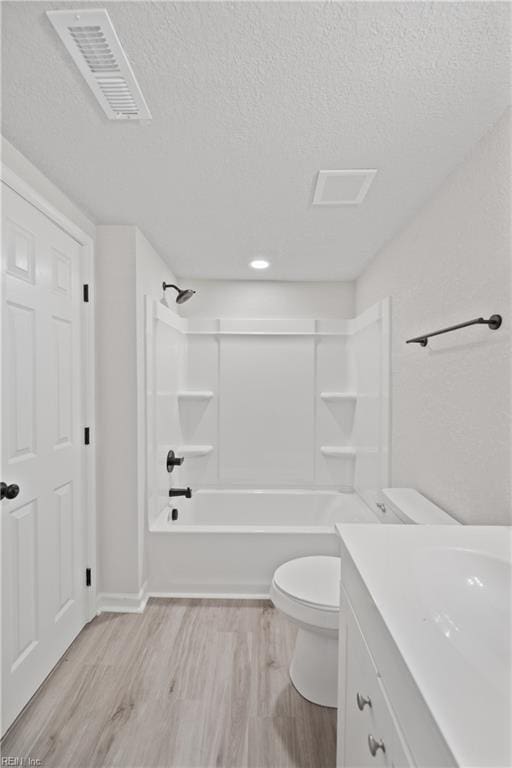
[[180, 492]]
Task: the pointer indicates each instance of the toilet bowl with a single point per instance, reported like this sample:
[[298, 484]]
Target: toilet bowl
[[307, 591]]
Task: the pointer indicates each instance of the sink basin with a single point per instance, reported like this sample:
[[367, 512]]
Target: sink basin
[[444, 594], [467, 597]]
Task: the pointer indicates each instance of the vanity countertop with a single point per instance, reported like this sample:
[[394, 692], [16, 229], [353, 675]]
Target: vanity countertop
[[444, 596]]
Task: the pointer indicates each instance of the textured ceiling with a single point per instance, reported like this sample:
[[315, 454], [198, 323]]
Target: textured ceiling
[[249, 100]]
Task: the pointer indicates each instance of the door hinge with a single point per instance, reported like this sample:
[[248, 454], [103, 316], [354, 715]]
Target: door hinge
[[87, 435], [86, 292], [88, 577]]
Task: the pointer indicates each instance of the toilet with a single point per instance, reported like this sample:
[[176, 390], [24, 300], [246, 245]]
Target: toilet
[[307, 591]]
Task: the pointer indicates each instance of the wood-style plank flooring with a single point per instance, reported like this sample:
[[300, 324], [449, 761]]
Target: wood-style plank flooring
[[187, 683]]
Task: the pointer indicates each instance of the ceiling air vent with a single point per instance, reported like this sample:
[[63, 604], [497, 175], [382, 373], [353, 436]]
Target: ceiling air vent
[[96, 50], [342, 187]]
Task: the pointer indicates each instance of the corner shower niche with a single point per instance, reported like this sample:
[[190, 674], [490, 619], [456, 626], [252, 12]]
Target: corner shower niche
[[262, 403]]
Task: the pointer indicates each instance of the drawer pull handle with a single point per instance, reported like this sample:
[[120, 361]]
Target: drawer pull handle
[[374, 745], [362, 701]]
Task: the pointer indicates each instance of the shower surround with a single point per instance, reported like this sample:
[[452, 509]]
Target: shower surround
[[279, 422]]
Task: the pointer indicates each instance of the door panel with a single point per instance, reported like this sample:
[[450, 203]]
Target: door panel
[[23, 529], [43, 547], [64, 561], [20, 251], [63, 383], [20, 373]]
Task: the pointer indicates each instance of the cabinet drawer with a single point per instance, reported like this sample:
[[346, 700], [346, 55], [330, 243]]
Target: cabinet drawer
[[369, 721]]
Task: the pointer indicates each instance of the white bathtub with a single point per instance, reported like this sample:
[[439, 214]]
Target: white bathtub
[[229, 542]]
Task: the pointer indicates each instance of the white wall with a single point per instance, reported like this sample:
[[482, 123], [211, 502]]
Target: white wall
[[266, 411], [116, 381], [127, 268], [262, 421], [267, 298], [451, 400], [220, 365]]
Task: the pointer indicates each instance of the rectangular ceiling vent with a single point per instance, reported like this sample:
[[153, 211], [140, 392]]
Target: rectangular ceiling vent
[[95, 48], [343, 187]]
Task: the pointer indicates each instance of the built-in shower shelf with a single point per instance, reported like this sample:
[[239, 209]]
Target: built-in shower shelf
[[336, 451], [334, 396], [197, 395], [194, 451]]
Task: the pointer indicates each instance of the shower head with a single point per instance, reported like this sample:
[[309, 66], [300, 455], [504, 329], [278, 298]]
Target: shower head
[[184, 294]]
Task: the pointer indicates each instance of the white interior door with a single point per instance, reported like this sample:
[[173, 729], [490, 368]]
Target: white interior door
[[43, 527]]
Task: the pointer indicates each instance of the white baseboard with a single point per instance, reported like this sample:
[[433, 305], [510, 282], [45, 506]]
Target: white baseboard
[[131, 602], [122, 602], [213, 595]]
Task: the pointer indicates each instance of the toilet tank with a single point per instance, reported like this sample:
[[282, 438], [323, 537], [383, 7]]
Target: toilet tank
[[410, 507]]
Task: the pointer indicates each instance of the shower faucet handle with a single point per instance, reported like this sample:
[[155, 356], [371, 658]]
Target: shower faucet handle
[[173, 461]]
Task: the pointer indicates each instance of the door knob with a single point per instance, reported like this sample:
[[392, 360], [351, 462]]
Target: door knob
[[173, 461], [9, 491]]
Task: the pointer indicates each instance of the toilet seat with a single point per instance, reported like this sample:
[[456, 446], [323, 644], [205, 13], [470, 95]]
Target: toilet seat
[[314, 581], [308, 590]]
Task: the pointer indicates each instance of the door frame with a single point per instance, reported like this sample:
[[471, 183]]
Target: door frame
[[87, 366]]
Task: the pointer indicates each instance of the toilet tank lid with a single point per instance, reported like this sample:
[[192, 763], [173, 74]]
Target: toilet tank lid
[[411, 507]]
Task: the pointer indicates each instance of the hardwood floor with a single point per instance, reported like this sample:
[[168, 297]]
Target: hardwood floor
[[188, 683]]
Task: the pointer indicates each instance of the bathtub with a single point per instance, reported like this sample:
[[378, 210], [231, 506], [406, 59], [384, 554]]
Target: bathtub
[[228, 543]]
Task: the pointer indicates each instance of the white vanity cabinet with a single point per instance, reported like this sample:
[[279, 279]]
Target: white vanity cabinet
[[422, 674], [369, 733]]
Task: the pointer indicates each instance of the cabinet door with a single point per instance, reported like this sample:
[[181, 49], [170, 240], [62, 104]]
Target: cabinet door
[[372, 726]]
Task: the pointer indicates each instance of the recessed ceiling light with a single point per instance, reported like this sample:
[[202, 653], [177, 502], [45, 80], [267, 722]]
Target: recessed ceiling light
[[259, 264]]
